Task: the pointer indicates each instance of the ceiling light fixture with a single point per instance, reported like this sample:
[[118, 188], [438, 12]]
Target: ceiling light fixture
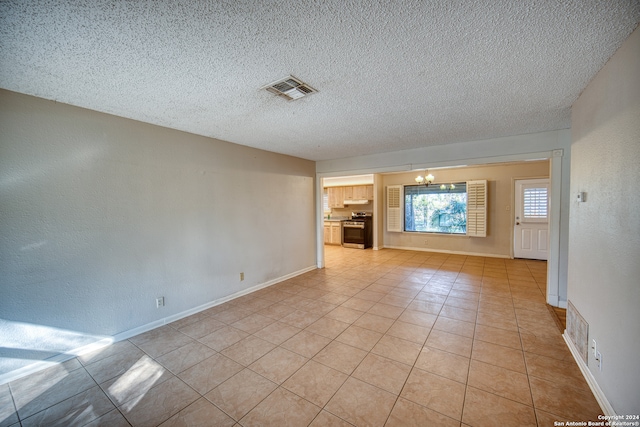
[[290, 88], [426, 180]]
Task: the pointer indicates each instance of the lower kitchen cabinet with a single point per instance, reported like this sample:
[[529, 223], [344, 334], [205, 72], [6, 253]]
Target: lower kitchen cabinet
[[333, 232]]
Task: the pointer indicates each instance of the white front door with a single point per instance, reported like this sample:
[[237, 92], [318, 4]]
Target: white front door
[[531, 226]]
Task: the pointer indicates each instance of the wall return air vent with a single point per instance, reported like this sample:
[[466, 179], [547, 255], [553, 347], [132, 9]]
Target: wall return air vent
[[290, 88]]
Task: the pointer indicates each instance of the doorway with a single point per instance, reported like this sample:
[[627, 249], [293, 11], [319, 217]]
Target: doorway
[[531, 225]]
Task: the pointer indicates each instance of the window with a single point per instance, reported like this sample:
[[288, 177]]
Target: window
[[325, 201], [535, 204], [434, 210]]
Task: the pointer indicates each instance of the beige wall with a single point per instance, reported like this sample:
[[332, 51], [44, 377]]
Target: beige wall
[[100, 215], [604, 231], [500, 197]]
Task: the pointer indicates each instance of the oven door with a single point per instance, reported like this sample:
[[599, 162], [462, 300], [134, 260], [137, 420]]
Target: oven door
[[353, 235]]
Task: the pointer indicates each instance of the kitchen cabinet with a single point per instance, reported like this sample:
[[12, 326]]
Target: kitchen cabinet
[[358, 192], [333, 232], [369, 192], [336, 197]]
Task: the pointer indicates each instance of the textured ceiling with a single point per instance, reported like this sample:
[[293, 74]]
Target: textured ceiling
[[391, 75]]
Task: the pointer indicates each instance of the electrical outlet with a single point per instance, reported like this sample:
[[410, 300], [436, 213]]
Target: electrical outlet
[[599, 359], [159, 302], [595, 348], [241, 277]]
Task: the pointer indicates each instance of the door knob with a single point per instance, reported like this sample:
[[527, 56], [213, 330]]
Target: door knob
[[517, 223]]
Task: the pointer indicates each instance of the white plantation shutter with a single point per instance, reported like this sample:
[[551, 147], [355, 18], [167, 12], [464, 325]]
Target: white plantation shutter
[[477, 208], [535, 204], [394, 208]]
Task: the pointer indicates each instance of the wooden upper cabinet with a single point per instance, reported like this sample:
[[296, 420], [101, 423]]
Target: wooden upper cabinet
[[369, 191], [360, 192], [336, 197], [348, 193]]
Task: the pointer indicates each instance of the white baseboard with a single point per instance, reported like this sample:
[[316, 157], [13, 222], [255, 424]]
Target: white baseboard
[[104, 342], [445, 251], [586, 373]]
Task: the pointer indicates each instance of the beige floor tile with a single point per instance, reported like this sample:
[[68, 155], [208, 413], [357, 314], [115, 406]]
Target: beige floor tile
[[327, 419], [498, 355], [451, 343], [278, 365], [466, 304], [201, 328], [342, 357], [498, 336], [252, 323], [76, 410], [184, 357], [43, 389], [409, 332], [361, 404], [458, 313], [199, 413], [300, 318], [503, 382], [210, 373], [486, 409], [277, 311], [432, 297], [396, 301], [241, 393], [419, 318], [564, 400], [555, 370], [382, 372], [112, 418], [425, 306], [497, 320], [408, 414], [105, 352], [358, 337], [277, 332], [315, 382], [344, 314], [283, 409], [397, 349], [223, 338], [160, 341], [386, 310], [306, 343], [231, 315], [115, 365], [159, 403], [435, 392], [327, 327], [453, 326], [374, 322], [443, 363], [554, 347], [359, 304], [144, 374], [248, 350]]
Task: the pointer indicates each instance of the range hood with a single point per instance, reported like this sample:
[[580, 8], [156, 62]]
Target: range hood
[[356, 202]]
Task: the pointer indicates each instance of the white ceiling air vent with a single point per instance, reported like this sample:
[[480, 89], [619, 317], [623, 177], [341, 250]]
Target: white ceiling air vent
[[290, 88]]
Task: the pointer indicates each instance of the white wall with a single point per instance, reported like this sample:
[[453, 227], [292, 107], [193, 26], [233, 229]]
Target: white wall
[[100, 215], [604, 231]]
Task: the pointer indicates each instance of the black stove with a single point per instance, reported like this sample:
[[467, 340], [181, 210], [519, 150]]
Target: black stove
[[357, 232]]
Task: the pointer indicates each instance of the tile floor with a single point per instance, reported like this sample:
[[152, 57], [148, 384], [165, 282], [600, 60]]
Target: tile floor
[[390, 337]]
